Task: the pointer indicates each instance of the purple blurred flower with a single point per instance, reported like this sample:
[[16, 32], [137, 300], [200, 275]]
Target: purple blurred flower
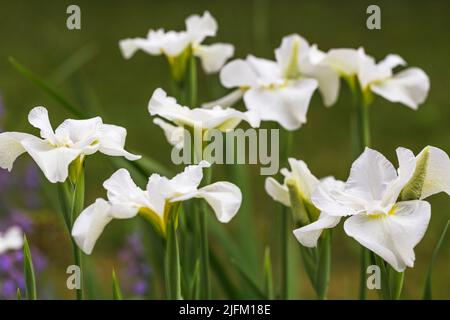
[[11, 262], [9, 288], [135, 272]]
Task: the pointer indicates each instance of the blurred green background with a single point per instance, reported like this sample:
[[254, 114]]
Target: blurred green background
[[35, 34]]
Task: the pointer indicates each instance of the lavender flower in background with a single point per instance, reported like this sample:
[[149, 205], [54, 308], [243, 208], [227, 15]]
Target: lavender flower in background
[[134, 269], [11, 262]]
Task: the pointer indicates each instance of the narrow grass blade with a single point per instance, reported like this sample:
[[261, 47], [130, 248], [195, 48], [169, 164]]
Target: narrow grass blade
[[254, 290], [194, 285], [309, 262], [117, 292], [427, 292], [30, 280], [18, 294], [268, 275], [45, 87], [73, 63], [246, 236], [145, 165], [225, 280]]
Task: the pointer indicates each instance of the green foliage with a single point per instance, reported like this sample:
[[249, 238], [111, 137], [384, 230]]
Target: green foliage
[[117, 292], [28, 270], [427, 292]]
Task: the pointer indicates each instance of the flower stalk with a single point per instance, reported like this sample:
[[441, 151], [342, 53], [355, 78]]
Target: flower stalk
[[71, 194], [361, 140], [286, 227], [172, 267]]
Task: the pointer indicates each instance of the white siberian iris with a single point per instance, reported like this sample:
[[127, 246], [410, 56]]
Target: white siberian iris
[[296, 191], [181, 117], [174, 43], [126, 200], [409, 86], [387, 213], [280, 90], [56, 150]]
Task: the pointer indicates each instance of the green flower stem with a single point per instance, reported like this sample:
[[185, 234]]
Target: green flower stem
[[202, 209], [361, 140], [205, 279], [192, 81], [71, 194], [286, 228], [172, 268]]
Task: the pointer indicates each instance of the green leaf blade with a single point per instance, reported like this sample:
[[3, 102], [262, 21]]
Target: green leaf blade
[[46, 88], [30, 280], [117, 292], [427, 292]]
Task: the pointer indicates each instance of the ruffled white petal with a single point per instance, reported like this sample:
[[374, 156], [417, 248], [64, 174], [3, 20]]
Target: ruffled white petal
[[111, 139], [200, 27], [238, 73], [277, 191], [38, 118], [216, 118], [188, 180], [407, 165], [392, 61], [79, 134], [370, 175], [292, 50], [224, 198], [173, 134], [328, 82], [128, 47], [409, 87], [11, 148], [90, 224], [214, 56], [121, 188], [336, 204], [268, 71], [226, 101], [53, 161], [437, 176], [309, 234], [394, 236], [344, 61], [305, 180], [287, 105]]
